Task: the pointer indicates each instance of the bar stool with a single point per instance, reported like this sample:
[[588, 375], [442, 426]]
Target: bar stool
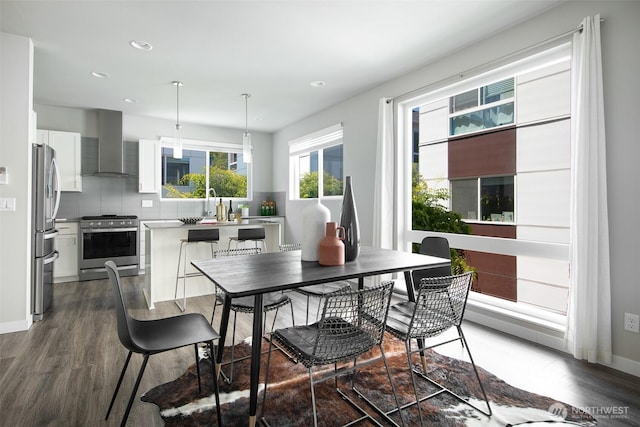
[[249, 234], [207, 235]]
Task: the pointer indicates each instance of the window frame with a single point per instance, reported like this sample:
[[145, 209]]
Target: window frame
[[489, 308], [207, 147], [318, 141]]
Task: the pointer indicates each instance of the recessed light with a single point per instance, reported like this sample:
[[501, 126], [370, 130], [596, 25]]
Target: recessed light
[[141, 44], [318, 83], [130, 100], [100, 75]]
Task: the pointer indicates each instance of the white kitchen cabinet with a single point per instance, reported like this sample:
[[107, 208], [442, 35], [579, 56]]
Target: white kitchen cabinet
[[149, 166], [65, 268], [68, 156]]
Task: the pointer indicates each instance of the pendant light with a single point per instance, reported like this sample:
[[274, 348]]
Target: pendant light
[[177, 133], [246, 136]]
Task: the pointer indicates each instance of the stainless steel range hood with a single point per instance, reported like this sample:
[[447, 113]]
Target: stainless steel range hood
[[110, 143]]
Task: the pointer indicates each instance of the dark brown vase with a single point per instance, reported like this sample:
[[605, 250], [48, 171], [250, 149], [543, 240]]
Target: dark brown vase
[[331, 248], [349, 220]]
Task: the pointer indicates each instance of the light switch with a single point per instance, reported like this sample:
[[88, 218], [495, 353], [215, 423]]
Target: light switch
[[8, 204], [147, 203]]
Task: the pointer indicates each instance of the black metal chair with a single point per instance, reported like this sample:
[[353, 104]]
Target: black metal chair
[[271, 301], [434, 246], [249, 235], [194, 236], [149, 337], [352, 323], [315, 291], [439, 306]]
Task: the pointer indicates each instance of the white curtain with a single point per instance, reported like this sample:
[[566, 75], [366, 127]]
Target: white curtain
[[383, 200], [589, 313]]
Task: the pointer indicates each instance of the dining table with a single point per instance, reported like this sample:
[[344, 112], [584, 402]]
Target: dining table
[[256, 275]]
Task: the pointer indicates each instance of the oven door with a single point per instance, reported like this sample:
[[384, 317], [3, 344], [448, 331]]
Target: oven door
[[99, 245]]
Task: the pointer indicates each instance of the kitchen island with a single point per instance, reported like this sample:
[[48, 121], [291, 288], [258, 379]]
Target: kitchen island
[[162, 247]]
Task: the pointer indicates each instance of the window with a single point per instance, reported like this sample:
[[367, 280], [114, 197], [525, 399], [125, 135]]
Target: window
[[482, 108], [506, 176], [495, 203], [204, 169], [316, 164]]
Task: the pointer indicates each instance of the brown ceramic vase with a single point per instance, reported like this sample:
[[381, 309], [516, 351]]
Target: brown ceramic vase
[[331, 248]]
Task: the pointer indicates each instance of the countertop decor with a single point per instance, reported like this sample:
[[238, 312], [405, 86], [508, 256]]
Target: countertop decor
[[191, 220]]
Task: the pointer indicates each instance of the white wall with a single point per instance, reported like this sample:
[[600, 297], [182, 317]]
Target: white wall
[[620, 64], [16, 57]]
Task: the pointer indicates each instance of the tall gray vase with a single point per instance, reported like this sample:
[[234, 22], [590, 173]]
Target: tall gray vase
[[349, 220]]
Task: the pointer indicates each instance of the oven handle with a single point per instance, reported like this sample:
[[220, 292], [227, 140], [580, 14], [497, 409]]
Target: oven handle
[[107, 230]]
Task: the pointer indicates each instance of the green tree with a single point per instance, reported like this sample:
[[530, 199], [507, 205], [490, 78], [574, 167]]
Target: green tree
[[429, 214], [309, 185], [226, 183]]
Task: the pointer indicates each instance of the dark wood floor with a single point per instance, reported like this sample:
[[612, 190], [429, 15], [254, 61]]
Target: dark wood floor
[[63, 370]]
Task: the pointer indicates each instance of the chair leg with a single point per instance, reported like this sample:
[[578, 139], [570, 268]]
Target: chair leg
[[313, 398], [175, 295], [413, 377], [198, 368], [216, 387], [266, 378], [135, 390], [115, 392], [475, 369]]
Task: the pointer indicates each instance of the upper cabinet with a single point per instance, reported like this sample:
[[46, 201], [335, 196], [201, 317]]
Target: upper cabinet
[[68, 156], [149, 166]]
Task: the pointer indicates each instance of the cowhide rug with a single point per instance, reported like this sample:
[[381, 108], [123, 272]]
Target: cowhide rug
[[289, 402]]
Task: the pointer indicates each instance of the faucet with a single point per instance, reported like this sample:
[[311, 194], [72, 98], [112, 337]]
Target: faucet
[[208, 211]]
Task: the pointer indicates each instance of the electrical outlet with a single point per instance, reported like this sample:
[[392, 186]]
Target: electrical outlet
[[632, 322]]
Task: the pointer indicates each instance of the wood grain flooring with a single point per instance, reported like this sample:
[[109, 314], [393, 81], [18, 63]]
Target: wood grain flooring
[[63, 370]]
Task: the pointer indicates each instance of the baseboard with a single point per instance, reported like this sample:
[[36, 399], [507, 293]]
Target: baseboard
[[625, 365], [15, 326]]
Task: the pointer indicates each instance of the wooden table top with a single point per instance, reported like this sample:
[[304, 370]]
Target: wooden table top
[[254, 274]]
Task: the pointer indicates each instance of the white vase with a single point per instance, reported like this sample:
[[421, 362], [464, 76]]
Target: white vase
[[314, 220]]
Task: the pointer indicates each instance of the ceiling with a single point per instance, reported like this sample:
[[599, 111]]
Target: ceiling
[[272, 50]]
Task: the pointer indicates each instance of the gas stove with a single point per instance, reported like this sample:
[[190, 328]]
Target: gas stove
[[109, 221]]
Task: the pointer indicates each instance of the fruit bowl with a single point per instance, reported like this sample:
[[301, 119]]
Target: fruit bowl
[[191, 220]]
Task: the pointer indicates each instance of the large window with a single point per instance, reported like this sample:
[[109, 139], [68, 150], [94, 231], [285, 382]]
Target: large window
[[316, 164], [495, 151], [202, 171]]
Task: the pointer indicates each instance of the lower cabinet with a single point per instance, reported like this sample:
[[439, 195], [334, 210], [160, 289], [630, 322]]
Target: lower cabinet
[[65, 268]]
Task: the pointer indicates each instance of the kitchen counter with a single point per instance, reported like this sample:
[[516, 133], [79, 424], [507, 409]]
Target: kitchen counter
[[162, 247]]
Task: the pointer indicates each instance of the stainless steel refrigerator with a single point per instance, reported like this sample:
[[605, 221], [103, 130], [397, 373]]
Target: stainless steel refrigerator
[[45, 202]]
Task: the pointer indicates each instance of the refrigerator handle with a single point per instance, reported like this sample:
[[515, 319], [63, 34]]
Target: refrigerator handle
[[52, 258], [55, 170]]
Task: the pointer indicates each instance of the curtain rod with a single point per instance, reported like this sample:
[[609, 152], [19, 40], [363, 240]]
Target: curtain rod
[[497, 60]]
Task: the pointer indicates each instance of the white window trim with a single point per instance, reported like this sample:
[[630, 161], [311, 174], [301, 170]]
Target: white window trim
[[317, 141]]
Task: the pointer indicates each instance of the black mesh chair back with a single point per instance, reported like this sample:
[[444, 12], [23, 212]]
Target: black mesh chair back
[[439, 306], [433, 246], [149, 337], [315, 291], [352, 323], [271, 301]]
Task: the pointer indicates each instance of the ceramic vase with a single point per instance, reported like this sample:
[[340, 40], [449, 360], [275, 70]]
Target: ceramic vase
[[331, 248], [314, 218], [349, 221]]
